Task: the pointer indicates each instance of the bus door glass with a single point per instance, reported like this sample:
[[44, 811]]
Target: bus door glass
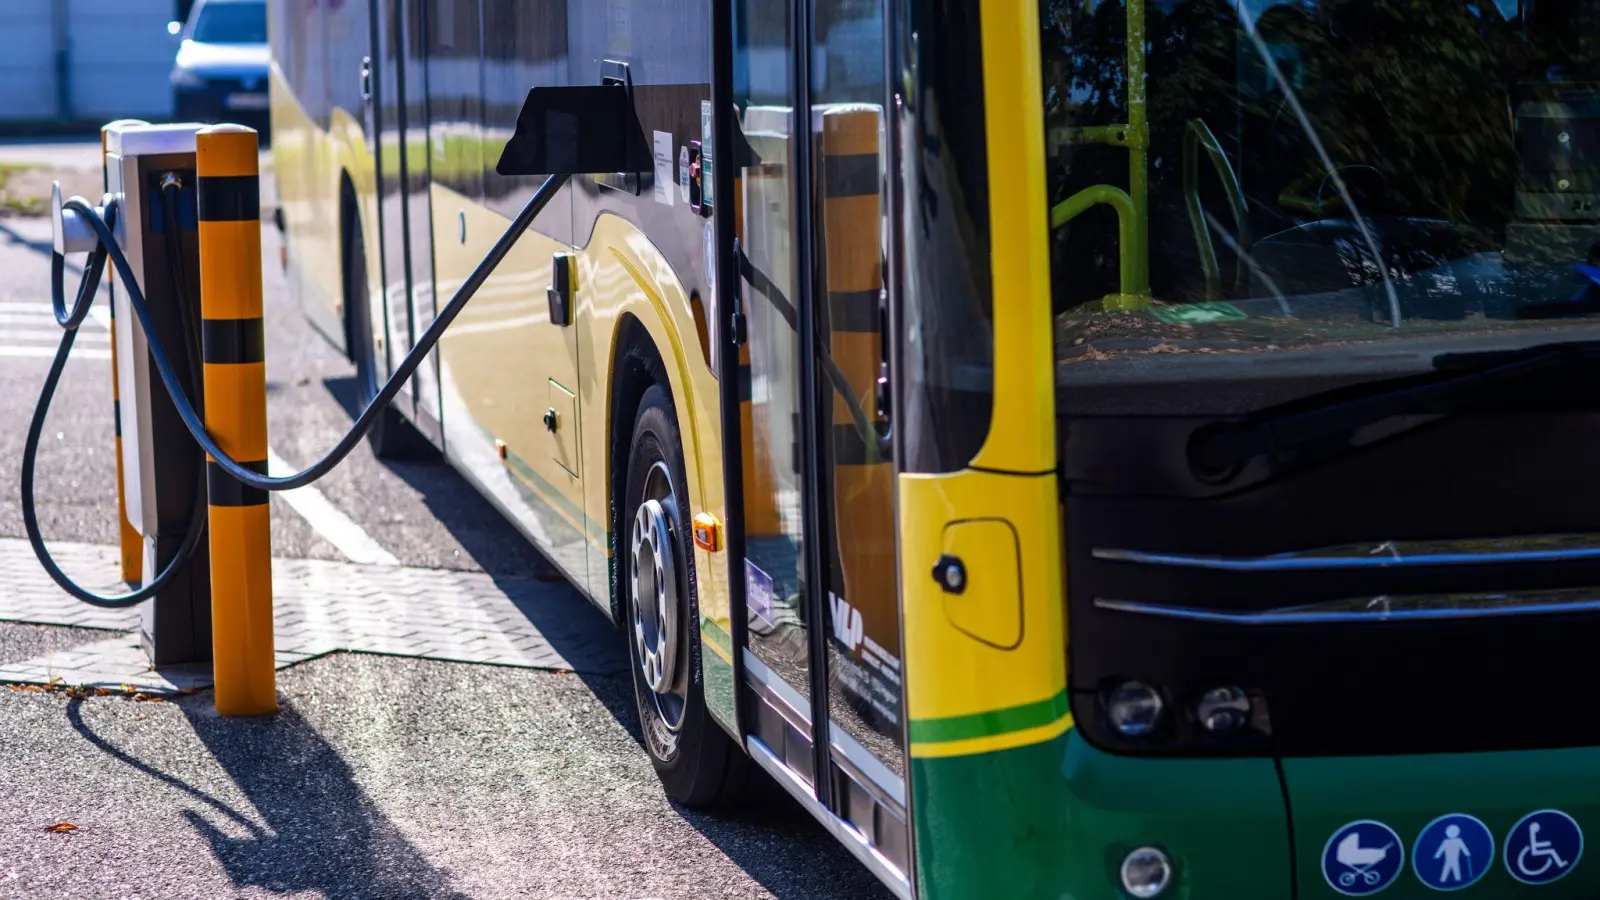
[[765, 215], [855, 474], [385, 128], [403, 207]]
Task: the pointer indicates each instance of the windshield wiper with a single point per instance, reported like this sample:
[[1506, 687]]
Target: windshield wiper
[[1220, 449]]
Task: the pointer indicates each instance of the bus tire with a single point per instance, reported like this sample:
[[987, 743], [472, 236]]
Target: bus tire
[[391, 436], [697, 762]]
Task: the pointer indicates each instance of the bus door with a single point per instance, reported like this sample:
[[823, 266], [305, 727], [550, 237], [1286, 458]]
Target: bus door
[[400, 131], [821, 594]]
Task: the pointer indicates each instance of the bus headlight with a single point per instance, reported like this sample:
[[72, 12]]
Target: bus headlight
[[1146, 872], [1223, 710], [1134, 709]]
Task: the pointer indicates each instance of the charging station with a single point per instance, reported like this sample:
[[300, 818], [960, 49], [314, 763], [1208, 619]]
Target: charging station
[[180, 224]]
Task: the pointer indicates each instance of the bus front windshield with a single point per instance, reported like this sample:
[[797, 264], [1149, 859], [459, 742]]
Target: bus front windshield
[[1337, 181]]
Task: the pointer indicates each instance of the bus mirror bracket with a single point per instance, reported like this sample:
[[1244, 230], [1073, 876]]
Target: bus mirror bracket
[[576, 130]]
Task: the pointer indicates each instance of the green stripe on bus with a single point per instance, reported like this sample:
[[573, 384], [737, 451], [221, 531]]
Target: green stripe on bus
[[711, 630], [988, 724]]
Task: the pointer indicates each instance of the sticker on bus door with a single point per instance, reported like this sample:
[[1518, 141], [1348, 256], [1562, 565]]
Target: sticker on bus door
[[758, 597]]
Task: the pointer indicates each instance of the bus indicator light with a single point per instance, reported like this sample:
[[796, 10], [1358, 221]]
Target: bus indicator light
[[707, 533]]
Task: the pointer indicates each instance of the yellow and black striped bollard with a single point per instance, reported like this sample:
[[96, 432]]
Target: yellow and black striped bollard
[[233, 344]]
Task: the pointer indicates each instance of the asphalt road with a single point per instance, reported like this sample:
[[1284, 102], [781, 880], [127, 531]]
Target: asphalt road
[[381, 777]]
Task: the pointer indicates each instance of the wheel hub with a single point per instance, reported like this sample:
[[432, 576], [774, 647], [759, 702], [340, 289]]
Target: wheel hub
[[655, 595]]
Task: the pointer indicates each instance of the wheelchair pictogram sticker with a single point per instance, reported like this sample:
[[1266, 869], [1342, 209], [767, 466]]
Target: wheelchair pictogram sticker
[[1362, 858], [1543, 846]]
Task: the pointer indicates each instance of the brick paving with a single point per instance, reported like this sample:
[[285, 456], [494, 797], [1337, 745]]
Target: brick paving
[[319, 607]]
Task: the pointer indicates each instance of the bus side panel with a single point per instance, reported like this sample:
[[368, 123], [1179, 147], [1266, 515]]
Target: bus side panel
[[621, 276], [644, 255], [303, 160], [499, 364]]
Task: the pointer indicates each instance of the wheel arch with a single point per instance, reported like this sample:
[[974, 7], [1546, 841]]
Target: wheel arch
[[636, 365]]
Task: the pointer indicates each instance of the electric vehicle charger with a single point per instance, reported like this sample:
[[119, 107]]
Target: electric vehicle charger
[[71, 319]]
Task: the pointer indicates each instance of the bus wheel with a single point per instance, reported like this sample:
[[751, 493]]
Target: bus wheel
[[391, 437], [699, 765]]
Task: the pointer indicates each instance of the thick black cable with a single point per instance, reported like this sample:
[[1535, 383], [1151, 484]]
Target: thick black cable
[[402, 373], [70, 320]]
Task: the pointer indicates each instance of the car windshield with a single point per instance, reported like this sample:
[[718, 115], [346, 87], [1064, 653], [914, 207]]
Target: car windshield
[[231, 23], [1308, 186]]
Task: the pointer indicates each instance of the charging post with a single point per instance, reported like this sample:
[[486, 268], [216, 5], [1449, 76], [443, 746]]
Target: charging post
[[162, 468]]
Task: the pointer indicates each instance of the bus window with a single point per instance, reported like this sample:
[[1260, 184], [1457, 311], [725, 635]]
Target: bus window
[[1319, 175], [948, 348]]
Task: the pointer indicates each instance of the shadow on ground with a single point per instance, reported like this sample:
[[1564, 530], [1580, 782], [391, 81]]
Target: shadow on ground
[[577, 630], [320, 833]]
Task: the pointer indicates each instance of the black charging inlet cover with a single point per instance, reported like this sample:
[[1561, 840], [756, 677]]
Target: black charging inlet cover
[[576, 130]]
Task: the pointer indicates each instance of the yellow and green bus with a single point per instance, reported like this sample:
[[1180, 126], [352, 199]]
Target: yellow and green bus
[[1078, 448]]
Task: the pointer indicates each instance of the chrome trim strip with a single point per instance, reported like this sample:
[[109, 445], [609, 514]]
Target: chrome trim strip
[[853, 840], [877, 778], [782, 696], [1392, 559], [1313, 616], [779, 694]]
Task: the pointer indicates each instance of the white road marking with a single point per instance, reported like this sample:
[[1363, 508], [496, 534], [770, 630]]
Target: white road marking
[[334, 526], [48, 352], [29, 330], [45, 334]]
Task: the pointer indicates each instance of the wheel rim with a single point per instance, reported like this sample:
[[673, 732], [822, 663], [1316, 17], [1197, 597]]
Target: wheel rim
[[653, 576]]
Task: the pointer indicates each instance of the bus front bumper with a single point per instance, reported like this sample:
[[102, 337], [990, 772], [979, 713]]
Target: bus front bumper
[[1057, 819]]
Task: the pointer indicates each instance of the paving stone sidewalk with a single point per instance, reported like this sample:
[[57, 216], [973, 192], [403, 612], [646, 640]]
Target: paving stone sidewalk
[[319, 607]]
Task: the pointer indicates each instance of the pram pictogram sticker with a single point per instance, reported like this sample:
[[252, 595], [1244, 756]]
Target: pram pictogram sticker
[[1362, 858]]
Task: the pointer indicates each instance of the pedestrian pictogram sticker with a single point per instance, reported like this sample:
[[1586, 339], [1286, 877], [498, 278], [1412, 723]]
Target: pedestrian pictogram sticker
[[1362, 858], [1543, 846], [1453, 852]]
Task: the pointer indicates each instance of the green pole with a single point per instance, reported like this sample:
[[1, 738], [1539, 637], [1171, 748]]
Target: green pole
[[1138, 148]]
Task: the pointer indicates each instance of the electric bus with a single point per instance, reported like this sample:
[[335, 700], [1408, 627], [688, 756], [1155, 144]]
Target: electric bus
[[1077, 448]]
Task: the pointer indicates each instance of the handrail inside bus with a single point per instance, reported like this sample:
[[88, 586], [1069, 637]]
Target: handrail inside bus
[[1132, 206], [1197, 136], [1130, 273]]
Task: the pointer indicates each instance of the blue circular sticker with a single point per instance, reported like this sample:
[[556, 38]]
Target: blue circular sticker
[[1452, 852], [1362, 858], [1543, 846]]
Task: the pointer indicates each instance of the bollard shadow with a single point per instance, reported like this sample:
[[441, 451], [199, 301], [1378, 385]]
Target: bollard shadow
[[313, 829], [320, 832]]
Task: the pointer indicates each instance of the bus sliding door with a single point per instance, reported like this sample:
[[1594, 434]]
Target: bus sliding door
[[400, 130], [823, 622]]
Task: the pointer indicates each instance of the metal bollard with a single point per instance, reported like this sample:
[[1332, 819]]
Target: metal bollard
[[233, 344], [131, 543]]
